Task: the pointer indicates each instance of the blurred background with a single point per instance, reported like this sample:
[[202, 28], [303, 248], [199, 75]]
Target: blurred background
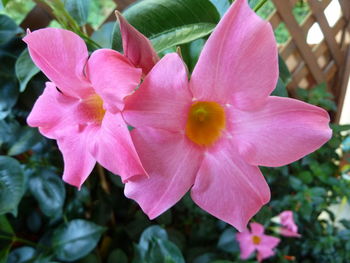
[[44, 220]]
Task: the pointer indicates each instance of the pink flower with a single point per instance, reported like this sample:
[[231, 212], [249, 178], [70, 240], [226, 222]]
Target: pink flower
[[255, 240], [81, 106], [210, 135], [289, 228]]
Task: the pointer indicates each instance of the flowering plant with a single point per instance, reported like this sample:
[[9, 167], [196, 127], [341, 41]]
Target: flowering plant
[[199, 118]]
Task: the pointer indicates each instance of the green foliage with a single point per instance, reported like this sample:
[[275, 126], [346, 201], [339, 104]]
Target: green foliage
[[75, 239], [170, 23], [11, 184], [25, 69], [78, 9]]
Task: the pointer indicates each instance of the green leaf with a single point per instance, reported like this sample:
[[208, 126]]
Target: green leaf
[[171, 253], [174, 19], [4, 251], [21, 255], [8, 28], [11, 184], [227, 241], [280, 89], [26, 138], [191, 51], [151, 233], [5, 225], [48, 189], [78, 9], [103, 36], [181, 35], [285, 75], [75, 239], [25, 69]]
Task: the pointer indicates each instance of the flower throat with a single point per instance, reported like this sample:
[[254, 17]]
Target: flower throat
[[206, 120]]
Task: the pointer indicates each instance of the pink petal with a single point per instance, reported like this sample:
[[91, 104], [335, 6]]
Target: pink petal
[[61, 55], [246, 245], [265, 249], [78, 162], [229, 188], [52, 112], [171, 162], [163, 99], [113, 149], [256, 228], [239, 62], [281, 132], [136, 46], [289, 233], [113, 77]]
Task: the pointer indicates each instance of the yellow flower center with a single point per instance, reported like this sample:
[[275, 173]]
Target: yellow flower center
[[256, 240], [206, 120], [94, 107]]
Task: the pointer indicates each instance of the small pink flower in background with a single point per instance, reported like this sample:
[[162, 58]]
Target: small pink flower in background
[[210, 135], [289, 228], [256, 240], [81, 105]]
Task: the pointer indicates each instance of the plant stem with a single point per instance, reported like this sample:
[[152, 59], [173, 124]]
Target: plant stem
[[259, 5], [21, 240]]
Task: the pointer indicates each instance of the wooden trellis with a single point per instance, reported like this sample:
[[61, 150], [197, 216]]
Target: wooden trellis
[[327, 61]]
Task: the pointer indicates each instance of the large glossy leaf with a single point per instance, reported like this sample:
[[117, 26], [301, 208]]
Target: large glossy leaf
[[11, 184], [75, 239], [48, 189], [78, 9], [21, 255], [170, 23], [26, 138], [25, 69], [8, 29]]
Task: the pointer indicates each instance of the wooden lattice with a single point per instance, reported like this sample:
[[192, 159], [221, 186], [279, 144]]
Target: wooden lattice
[[327, 61]]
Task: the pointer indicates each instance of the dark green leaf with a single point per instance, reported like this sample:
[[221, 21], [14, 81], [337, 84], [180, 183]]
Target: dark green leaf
[[26, 139], [280, 89], [11, 184], [25, 69], [170, 252], [48, 189], [169, 23], [21, 255], [5, 225], [78, 9], [151, 233], [75, 239], [227, 241], [181, 35], [8, 29]]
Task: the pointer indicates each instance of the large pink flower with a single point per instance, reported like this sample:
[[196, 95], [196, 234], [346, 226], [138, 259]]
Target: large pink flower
[[81, 106], [256, 240], [212, 133], [289, 228]]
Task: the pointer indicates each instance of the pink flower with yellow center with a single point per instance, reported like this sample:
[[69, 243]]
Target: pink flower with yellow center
[[289, 228], [81, 106], [256, 240], [210, 134]]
